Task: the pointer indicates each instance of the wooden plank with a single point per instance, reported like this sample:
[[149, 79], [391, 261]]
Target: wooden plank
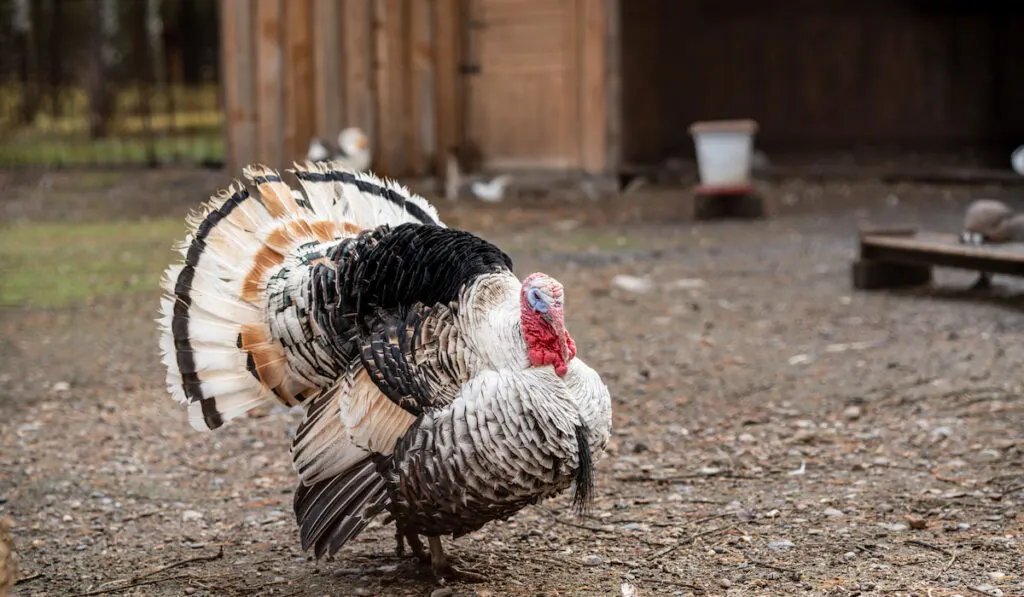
[[613, 85], [392, 140], [239, 86], [269, 89], [299, 100], [946, 244], [356, 26], [328, 75], [447, 83], [593, 92], [421, 87], [932, 249]]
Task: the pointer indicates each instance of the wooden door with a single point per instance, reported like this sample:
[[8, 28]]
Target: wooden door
[[522, 83]]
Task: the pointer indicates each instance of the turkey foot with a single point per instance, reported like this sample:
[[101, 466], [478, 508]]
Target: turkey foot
[[401, 538], [444, 570]]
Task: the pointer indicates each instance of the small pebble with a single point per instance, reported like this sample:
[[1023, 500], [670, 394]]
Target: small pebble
[[916, 523], [963, 526], [60, 386], [191, 515], [867, 586], [989, 590], [592, 560], [189, 590], [849, 556], [781, 545], [832, 512], [725, 583], [852, 413], [443, 592], [997, 576]]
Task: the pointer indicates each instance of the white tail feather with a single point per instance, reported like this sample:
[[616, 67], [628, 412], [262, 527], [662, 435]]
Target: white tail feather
[[224, 360]]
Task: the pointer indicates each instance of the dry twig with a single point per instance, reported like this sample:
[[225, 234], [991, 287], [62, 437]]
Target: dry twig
[[927, 545], [28, 578]]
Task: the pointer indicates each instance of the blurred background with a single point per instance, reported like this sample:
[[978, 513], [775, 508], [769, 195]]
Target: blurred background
[[598, 86]]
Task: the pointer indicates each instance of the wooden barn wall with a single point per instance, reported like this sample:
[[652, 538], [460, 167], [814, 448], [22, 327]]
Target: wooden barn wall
[[816, 75], [299, 68]]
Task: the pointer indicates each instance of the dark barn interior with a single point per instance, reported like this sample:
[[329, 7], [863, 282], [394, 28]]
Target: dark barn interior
[[853, 78]]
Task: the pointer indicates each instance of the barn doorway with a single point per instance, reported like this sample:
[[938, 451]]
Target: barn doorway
[[858, 79]]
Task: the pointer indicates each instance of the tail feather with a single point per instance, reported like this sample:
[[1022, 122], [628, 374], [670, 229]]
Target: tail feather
[[225, 326], [333, 511]]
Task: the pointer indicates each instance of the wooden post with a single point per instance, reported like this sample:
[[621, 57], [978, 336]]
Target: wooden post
[[391, 130], [447, 82], [357, 41], [593, 87], [613, 87], [421, 87], [239, 86], [328, 74], [298, 80], [269, 86]]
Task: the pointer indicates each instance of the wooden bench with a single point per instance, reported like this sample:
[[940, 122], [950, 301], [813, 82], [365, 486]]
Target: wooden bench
[[905, 257]]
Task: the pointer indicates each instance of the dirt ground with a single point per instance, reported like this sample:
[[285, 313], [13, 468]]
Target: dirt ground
[[776, 432]]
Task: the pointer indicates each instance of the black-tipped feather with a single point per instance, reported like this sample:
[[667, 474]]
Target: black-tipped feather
[[583, 494], [333, 511], [184, 355]]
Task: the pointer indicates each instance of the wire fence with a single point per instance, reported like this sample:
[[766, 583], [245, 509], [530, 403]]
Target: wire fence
[[109, 83]]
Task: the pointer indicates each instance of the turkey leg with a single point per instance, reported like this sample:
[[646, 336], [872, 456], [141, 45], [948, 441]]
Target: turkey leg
[[401, 538], [443, 569]]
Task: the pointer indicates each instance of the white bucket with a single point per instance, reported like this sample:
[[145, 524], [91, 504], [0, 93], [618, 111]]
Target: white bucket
[[724, 150]]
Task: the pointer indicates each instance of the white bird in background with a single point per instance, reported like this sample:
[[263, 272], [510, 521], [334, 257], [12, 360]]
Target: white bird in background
[[492, 191], [1017, 160], [353, 148]]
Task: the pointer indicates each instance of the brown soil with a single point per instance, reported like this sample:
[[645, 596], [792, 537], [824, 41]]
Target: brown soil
[[776, 432]]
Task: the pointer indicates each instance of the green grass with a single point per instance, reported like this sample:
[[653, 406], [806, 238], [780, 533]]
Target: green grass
[[30, 148], [191, 133], [55, 265]]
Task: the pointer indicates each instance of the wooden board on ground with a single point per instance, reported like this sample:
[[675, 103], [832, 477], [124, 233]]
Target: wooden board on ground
[[895, 258]]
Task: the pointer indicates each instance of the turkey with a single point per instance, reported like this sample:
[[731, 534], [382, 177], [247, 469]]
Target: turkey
[[353, 148], [439, 390], [988, 221]]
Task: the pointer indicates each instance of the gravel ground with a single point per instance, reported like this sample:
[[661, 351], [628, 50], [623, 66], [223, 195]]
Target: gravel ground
[[776, 433]]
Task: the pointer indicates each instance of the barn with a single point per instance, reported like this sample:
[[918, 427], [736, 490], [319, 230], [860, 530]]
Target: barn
[[601, 86]]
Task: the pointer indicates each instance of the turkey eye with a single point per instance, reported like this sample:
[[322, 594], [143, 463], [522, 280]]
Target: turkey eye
[[536, 301]]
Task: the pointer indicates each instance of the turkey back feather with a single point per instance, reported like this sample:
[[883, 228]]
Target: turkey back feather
[[239, 321]]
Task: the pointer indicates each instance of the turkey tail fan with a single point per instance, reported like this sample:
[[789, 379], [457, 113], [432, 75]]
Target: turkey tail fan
[[361, 197], [237, 309]]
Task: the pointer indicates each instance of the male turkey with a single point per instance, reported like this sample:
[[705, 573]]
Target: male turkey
[[438, 387]]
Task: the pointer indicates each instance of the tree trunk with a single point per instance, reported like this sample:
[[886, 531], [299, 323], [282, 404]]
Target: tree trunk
[[28, 62], [101, 94]]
